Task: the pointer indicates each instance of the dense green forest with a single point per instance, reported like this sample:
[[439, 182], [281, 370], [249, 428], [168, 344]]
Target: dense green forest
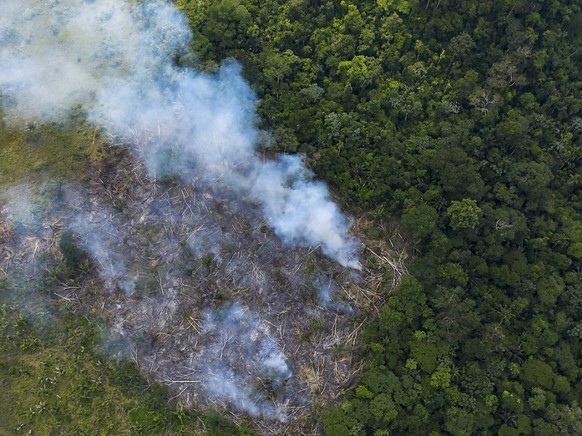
[[463, 120]]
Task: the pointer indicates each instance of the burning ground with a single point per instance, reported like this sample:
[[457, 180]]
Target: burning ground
[[194, 286]]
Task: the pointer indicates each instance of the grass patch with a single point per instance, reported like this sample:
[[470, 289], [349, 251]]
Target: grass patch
[[41, 151], [55, 387]]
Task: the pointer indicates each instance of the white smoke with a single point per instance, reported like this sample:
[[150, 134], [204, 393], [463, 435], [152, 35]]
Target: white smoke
[[19, 207], [101, 239], [114, 58], [239, 352], [327, 293]]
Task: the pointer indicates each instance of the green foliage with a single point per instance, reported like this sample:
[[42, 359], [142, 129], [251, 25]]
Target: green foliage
[[464, 214], [70, 250], [56, 386], [422, 220], [218, 425], [459, 422], [537, 373]]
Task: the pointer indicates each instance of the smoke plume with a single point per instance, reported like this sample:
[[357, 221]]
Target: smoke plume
[[115, 60]]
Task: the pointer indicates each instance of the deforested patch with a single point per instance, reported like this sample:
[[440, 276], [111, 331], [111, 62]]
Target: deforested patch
[[193, 286]]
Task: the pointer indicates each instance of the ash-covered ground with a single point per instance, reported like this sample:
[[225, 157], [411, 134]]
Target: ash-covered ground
[[195, 287]]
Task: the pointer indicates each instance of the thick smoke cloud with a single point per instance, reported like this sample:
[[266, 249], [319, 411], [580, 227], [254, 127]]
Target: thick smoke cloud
[[114, 59]]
